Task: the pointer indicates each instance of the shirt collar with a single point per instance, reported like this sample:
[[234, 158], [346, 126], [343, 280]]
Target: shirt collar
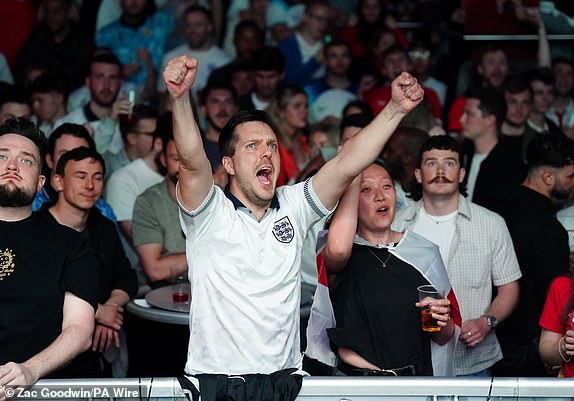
[[90, 116], [237, 203]]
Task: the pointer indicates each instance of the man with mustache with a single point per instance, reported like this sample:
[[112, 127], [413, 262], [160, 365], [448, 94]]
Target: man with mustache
[[475, 246], [541, 245], [48, 273], [244, 244]]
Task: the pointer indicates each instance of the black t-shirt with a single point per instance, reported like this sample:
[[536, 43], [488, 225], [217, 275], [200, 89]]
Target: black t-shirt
[[40, 260], [375, 311]]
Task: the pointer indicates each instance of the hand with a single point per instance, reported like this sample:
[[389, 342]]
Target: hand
[[130, 69], [406, 92], [179, 75], [120, 106], [568, 342], [474, 331], [103, 337], [14, 375], [440, 309], [110, 315]]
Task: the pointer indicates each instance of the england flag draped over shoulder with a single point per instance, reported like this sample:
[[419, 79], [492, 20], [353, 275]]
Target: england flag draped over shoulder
[[424, 256]]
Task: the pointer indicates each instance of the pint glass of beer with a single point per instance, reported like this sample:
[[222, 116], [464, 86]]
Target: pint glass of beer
[[428, 292]]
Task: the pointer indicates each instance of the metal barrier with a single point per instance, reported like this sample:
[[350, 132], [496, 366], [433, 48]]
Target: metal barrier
[[513, 38], [324, 389]]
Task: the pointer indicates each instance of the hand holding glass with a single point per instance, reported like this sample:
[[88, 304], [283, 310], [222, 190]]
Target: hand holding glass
[[427, 294]]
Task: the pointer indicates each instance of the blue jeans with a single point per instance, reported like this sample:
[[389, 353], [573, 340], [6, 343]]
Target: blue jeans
[[482, 373]]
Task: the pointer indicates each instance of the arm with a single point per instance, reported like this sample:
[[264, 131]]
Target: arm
[[544, 59], [109, 319], [342, 230], [362, 149], [553, 348], [441, 312], [501, 307], [195, 179], [157, 266], [352, 358], [126, 227], [77, 327]]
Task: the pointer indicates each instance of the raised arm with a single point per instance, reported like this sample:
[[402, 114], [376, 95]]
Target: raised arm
[[342, 229], [362, 149], [195, 179]]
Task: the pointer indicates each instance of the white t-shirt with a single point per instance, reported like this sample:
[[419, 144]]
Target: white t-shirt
[[246, 281], [125, 184], [208, 60], [477, 160], [440, 229]]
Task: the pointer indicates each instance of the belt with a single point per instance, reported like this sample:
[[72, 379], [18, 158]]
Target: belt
[[408, 370]]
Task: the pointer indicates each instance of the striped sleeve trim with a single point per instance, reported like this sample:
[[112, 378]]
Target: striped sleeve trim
[[310, 199], [202, 208]]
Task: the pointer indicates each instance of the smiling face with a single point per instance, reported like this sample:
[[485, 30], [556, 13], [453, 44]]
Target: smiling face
[[254, 167], [20, 177], [440, 173], [377, 201], [82, 183]]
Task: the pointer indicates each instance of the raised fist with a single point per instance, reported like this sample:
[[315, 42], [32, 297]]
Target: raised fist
[[406, 92], [179, 75]]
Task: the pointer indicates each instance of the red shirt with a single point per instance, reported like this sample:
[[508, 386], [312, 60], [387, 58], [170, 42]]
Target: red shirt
[[558, 296], [379, 97]]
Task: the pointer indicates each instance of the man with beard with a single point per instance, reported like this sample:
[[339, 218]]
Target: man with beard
[[244, 244], [475, 246], [79, 178], [48, 279], [156, 230], [218, 103], [102, 112], [541, 245]]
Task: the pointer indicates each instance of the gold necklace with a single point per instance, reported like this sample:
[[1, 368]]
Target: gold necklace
[[384, 264]]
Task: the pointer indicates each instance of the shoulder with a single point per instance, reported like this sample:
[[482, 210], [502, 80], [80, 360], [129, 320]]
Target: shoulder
[[62, 235]]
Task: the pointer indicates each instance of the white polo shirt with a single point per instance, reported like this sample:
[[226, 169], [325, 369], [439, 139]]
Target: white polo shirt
[[245, 277]]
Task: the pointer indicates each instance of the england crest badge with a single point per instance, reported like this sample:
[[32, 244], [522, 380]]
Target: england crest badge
[[283, 230]]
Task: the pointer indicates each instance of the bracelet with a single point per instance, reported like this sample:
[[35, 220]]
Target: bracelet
[[560, 351]]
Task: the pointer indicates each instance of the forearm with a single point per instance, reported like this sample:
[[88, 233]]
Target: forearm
[[548, 348], [163, 267], [342, 230], [544, 59], [364, 148], [505, 302], [352, 358], [118, 297], [187, 135], [445, 334]]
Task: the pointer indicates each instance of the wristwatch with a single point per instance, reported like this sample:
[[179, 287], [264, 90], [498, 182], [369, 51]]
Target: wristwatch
[[492, 322]]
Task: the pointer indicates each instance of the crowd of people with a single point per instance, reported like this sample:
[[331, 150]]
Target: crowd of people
[[255, 145]]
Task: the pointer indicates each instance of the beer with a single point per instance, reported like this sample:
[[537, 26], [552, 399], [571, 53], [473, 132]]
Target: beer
[[429, 323]]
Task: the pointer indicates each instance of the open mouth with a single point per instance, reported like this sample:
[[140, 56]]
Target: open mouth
[[383, 210], [264, 175]]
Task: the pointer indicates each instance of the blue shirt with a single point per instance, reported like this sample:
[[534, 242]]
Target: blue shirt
[[125, 40]]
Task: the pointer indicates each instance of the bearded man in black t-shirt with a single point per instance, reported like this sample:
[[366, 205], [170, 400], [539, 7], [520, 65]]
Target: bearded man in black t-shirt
[[48, 279]]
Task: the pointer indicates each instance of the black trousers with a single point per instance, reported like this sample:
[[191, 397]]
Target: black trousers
[[277, 386]]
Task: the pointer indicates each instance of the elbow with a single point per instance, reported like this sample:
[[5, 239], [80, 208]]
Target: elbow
[[154, 274], [336, 258]]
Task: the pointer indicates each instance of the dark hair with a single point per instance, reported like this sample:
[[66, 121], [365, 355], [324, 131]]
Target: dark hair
[[106, 56], [211, 86], [139, 112], [196, 8], [268, 58], [490, 49], [27, 129], [76, 130], [516, 84], [492, 102], [77, 155], [550, 151], [562, 60], [249, 24], [361, 105], [394, 49], [542, 74], [164, 129], [336, 43], [360, 120], [439, 142], [49, 82], [11, 94], [228, 137]]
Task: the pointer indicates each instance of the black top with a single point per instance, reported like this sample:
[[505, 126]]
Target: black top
[[375, 311], [541, 246], [40, 260]]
